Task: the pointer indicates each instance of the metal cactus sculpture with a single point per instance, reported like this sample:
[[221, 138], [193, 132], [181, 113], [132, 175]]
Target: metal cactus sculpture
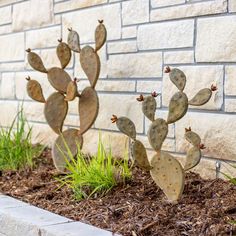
[[165, 169], [56, 105]]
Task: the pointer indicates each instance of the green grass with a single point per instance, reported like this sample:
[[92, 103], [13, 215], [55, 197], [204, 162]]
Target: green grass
[[95, 176], [16, 149], [232, 179]]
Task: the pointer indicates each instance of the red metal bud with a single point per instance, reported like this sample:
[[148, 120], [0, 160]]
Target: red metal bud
[[213, 88], [114, 118], [155, 94], [188, 129], [202, 146], [140, 98], [167, 70]]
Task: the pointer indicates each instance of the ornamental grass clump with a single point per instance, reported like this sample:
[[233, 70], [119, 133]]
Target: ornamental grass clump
[[16, 149], [96, 175], [228, 176]]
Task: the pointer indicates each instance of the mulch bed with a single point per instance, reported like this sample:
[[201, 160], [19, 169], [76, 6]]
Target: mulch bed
[[208, 207]]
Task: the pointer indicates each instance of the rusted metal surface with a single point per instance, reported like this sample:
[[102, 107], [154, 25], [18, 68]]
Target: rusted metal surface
[[35, 61], [63, 53], [140, 155], [68, 140], [35, 91], [90, 63], [168, 174], [55, 111], [88, 108], [59, 79], [73, 40], [100, 35], [71, 91]]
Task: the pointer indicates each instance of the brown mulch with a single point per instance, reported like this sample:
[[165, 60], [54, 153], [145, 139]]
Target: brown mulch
[[208, 207]]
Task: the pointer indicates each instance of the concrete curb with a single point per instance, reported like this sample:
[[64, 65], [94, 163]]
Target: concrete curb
[[21, 219]]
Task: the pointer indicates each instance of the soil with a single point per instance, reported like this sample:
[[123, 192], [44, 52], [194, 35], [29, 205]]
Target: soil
[[208, 207]]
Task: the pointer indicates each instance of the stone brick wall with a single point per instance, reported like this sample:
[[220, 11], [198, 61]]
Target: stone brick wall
[[198, 36]]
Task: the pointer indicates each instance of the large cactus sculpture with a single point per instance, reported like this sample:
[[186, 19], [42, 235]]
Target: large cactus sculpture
[[165, 169], [56, 105]]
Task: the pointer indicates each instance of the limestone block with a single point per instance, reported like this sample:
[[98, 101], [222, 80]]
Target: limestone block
[[14, 47], [216, 132], [135, 11], [32, 14], [189, 10], [174, 34], [109, 13], [216, 39], [135, 65]]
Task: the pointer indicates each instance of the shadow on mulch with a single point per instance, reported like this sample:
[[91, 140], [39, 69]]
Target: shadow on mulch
[[138, 209]]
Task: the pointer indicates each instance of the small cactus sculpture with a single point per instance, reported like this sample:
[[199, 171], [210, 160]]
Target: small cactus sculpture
[[56, 105], [165, 169]]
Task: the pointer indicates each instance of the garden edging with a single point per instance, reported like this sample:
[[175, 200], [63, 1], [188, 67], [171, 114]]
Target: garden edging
[[18, 218]]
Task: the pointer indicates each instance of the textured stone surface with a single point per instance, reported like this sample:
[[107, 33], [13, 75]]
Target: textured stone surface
[[43, 37], [135, 11], [149, 87], [18, 218], [122, 47], [230, 105], [132, 60], [72, 5], [109, 13], [129, 32], [198, 77], [74, 229], [12, 66], [232, 6], [7, 117], [39, 13], [162, 3], [34, 111], [216, 132], [135, 65], [13, 47], [115, 86], [5, 14], [5, 29], [166, 35], [118, 142], [27, 220], [189, 10], [220, 34], [41, 133], [178, 57], [6, 2], [230, 81], [121, 105], [8, 202], [7, 86]]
